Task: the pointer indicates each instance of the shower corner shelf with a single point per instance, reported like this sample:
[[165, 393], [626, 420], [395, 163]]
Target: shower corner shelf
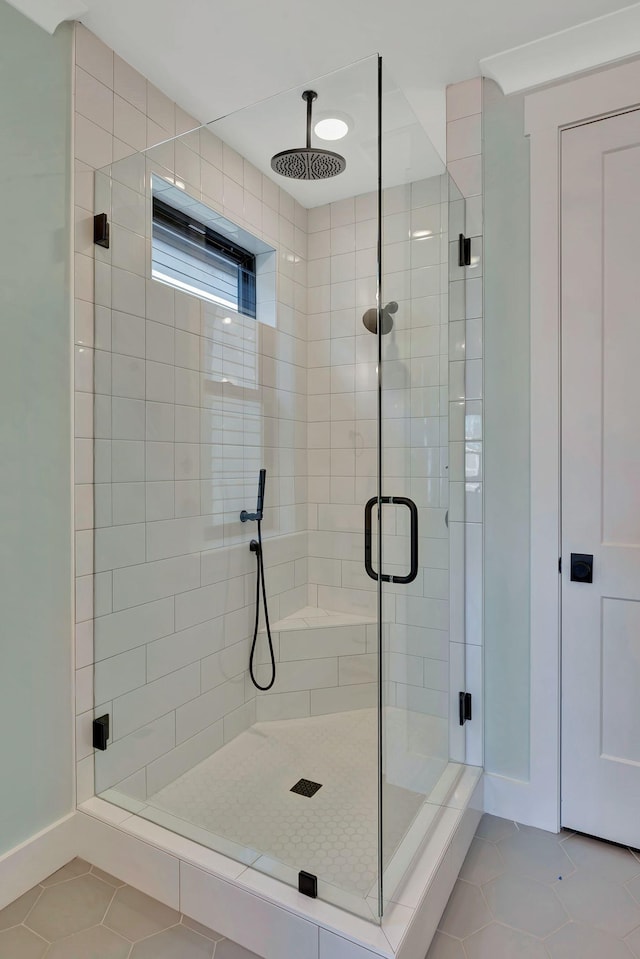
[[313, 617]]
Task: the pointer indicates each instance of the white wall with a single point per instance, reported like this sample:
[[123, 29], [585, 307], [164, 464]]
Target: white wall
[[507, 435], [36, 722]]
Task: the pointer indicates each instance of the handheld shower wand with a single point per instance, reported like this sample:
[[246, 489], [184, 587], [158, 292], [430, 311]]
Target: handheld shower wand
[[256, 547], [262, 479], [257, 516]]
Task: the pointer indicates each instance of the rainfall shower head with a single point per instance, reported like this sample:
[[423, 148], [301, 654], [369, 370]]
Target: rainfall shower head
[[370, 318], [308, 163]]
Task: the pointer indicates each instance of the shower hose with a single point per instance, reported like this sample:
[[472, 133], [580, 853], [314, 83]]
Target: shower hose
[[256, 547]]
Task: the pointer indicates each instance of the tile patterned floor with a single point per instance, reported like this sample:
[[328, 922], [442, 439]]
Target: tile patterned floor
[[82, 913], [527, 894]]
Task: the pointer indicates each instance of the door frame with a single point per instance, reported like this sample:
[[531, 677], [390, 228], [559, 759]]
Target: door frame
[[547, 112]]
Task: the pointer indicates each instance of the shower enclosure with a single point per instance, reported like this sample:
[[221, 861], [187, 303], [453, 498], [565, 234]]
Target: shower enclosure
[[340, 770]]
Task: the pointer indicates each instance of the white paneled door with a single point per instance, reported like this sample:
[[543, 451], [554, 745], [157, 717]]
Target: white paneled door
[[601, 478]]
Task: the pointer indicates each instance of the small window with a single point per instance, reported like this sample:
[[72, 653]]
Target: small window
[[191, 256]]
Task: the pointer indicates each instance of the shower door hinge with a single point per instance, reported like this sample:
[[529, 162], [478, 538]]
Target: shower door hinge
[[101, 230], [308, 884], [101, 732], [464, 250], [464, 700]]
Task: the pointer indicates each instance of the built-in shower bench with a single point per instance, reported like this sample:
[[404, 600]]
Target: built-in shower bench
[[325, 662]]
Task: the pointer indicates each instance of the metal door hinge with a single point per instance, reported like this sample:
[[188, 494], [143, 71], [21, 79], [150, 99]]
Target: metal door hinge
[[101, 230], [464, 250], [101, 732], [465, 707], [308, 884]]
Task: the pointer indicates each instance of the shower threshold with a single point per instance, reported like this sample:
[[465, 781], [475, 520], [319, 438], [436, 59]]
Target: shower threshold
[[222, 892]]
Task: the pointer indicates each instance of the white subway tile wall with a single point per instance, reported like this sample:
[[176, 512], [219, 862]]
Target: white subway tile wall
[[176, 410], [188, 406], [342, 434]]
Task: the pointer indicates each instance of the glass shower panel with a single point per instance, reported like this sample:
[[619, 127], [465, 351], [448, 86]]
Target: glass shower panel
[[418, 674], [193, 397], [463, 434]]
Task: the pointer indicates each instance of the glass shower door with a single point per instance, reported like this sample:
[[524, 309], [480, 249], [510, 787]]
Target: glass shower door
[[193, 397], [338, 387], [417, 673]]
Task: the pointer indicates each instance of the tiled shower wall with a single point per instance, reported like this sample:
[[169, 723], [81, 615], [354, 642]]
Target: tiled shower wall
[[161, 407], [172, 609], [342, 410]]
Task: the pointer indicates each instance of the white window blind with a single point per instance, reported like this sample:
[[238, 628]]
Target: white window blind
[[193, 258]]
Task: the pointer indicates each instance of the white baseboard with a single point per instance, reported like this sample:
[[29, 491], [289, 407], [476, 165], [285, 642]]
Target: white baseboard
[[36, 858], [519, 801]]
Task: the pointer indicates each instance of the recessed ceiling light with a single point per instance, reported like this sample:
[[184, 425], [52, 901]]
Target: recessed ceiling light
[[331, 128]]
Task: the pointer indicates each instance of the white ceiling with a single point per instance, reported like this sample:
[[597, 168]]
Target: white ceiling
[[215, 58], [279, 123]]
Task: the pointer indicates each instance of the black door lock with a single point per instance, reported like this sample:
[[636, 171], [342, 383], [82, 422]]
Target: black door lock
[[582, 567]]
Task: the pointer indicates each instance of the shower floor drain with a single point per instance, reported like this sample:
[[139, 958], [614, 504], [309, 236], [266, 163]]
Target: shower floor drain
[[304, 787]]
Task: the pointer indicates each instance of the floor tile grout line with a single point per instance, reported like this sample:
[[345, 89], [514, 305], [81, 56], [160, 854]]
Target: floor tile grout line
[[541, 939], [567, 922], [581, 922], [132, 942], [504, 926], [62, 882], [486, 901], [23, 923], [34, 933], [151, 934], [37, 900], [106, 912], [119, 882], [181, 923]]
